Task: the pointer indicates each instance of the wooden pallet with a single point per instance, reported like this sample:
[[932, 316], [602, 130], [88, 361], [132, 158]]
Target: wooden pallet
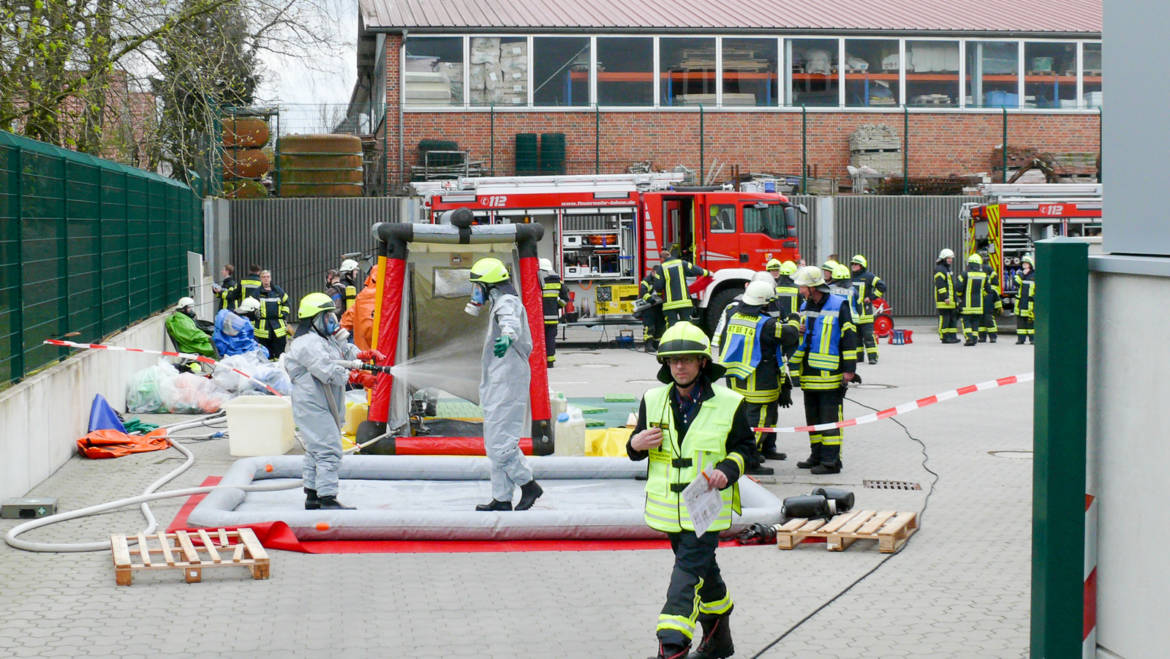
[[890, 529], [190, 552]]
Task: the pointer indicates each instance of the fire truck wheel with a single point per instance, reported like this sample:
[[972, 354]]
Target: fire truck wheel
[[715, 307]]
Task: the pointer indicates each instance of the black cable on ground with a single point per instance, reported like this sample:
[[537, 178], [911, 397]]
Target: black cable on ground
[[921, 513]]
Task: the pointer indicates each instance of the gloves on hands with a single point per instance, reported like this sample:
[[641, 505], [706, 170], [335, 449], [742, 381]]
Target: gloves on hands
[[786, 395], [371, 356], [501, 345], [364, 379]]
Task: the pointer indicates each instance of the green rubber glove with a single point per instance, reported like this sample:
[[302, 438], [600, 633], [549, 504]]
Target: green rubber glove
[[501, 346]]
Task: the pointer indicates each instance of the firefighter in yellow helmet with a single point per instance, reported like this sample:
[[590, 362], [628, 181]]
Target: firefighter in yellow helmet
[[825, 361], [973, 288], [868, 287], [556, 297], [691, 428], [503, 384], [672, 276], [1026, 301]]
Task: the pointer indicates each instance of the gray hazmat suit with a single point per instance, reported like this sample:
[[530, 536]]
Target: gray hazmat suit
[[318, 401], [503, 394]]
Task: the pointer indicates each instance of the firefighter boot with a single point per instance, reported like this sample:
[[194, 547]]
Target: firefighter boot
[[983, 337], [770, 451], [313, 503], [1031, 338], [671, 651], [813, 459], [331, 503], [992, 336], [494, 505], [830, 461], [1020, 339], [716, 642], [529, 493]]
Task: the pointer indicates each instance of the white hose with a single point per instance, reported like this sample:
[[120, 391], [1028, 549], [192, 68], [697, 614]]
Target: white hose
[[149, 494]]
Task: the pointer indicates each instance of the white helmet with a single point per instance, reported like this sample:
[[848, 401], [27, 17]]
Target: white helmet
[[348, 265], [759, 293], [810, 276], [546, 265], [185, 302], [765, 277], [946, 253], [249, 305]]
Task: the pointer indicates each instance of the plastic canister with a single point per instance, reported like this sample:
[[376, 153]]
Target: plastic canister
[[259, 425], [570, 433], [557, 403]]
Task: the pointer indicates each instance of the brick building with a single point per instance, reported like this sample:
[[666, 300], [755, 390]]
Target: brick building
[[770, 85]]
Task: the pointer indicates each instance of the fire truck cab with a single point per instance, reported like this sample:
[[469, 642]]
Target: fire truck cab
[[604, 233], [1019, 215]]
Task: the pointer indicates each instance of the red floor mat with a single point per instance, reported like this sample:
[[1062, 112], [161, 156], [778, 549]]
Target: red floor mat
[[277, 535]]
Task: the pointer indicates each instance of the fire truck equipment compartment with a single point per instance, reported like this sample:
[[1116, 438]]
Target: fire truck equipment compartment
[[433, 498]]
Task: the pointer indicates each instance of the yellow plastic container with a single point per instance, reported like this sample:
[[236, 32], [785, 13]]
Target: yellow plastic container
[[259, 425]]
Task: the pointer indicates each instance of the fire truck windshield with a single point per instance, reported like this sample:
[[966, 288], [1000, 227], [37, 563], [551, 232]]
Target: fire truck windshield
[[769, 219]]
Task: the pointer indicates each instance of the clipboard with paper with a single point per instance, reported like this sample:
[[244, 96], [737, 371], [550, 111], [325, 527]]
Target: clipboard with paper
[[703, 503]]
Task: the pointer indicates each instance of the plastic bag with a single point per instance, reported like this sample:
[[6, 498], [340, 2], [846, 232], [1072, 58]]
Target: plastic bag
[[144, 389], [188, 393], [261, 369]]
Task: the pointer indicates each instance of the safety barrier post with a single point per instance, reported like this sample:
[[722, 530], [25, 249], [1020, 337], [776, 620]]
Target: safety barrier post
[[1058, 471]]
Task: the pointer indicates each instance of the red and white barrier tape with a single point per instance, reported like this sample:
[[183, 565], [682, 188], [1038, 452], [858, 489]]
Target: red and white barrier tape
[[906, 407], [165, 353]]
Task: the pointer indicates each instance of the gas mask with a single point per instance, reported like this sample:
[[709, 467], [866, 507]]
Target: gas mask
[[326, 324], [188, 311], [478, 299]]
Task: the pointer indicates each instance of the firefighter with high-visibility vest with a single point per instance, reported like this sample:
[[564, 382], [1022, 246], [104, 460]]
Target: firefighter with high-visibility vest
[[752, 345], [555, 299], [788, 300], [245, 287], [1026, 301], [992, 303], [868, 288], [944, 297], [691, 428], [973, 288], [272, 316], [825, 362], [672, 275], [649, 310], [348, 283]]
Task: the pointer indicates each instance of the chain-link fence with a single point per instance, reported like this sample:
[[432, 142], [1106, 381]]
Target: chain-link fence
[[87, 248]]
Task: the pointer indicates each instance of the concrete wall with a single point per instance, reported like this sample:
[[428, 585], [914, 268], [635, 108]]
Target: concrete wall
[[1128, 453], [45, 415]]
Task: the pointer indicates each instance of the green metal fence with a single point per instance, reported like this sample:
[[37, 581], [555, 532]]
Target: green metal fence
[[86, 246]]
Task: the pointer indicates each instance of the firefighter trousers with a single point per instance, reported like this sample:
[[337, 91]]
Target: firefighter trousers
[[824, 406], [696, 587], [761, 415], [947, 323], [971, 325], [675, 315], [865, 334], [653, 325], [1025, 327], [550, 342]]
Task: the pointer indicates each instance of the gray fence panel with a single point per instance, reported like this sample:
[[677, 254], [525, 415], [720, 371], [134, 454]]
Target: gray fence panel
[[806, 225], [300, 239], [900, 237]]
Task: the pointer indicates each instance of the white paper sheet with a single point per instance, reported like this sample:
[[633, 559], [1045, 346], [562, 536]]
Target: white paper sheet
[[703, 504]]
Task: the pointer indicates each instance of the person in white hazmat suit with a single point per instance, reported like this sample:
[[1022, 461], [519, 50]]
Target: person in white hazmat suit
[[503, 384], [317, 365]]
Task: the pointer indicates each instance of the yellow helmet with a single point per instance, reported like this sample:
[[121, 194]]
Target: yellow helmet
[[313, 304], [1028, 259], [809, 276], [976, 259], [788, 268], [773, 264], [684, 338], [841, 272], [860, 260], [489, 271]]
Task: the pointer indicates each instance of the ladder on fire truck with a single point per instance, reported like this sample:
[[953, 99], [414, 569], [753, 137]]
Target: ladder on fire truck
[[1072, 192], [598, 184]]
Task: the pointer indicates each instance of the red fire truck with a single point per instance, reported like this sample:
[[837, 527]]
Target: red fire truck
[[1008, 227], [603, 233]]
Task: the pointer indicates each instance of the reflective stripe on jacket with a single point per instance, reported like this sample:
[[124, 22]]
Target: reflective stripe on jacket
[[944, 287], [555, 298], [270, 317], [672, 467], [974, 291], [674, 285], [787, 298], [828, 346], [1026, 296], [740, 348]]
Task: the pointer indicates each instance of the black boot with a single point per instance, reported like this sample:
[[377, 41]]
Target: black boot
[[992, 336], [311, 500], [758, 469], [1031, 338], [1020, 338], [529, 493], [670, 651], [716, 642], [970, 340], [771, 453], [830, 460], [331, 503], [813, 459], [983, 337], [494, 505], [872, 359]]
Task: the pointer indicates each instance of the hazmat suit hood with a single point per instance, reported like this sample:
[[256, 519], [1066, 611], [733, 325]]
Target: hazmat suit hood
[[234, 335]]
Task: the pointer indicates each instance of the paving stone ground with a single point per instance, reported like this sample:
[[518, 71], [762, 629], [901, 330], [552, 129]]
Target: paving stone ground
[[959, 588]]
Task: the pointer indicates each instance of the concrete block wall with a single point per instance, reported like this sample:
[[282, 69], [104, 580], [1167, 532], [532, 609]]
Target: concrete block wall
[[45, 415]]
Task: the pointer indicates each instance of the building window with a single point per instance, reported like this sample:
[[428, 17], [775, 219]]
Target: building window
[[871, 73], [1091, 66], [993, 74], [625, 71], [813, 67], [560, 71], [378, 90], [932, 73], [750, 72], [1050, 76], [498, 74], [687, 71], [722, 218], [434, 71]]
